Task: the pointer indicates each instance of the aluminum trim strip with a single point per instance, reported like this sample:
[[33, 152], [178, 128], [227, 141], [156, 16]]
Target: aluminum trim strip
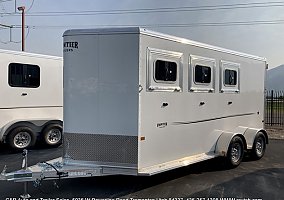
[[212, 119]]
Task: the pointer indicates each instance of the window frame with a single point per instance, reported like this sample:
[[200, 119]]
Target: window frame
[[194, 86], [153, 55], [227, 88], [25, 73]]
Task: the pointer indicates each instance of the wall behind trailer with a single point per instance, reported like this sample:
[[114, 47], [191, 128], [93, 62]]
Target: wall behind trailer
[[185, 127], [49, 92], [101, 84]]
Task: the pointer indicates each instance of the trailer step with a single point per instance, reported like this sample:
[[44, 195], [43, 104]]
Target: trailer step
[[148, 171]]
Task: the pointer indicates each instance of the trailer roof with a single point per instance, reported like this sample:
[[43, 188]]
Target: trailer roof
[[139, 30], [22, 53]]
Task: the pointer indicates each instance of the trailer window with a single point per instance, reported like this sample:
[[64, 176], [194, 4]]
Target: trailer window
[[202, 74], [230, 77], [24, 75], [165, 71]]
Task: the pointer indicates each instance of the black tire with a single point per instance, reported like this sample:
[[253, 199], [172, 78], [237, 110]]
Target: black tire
[[52, 135], [259, 146], [235, 152], [21, 138]]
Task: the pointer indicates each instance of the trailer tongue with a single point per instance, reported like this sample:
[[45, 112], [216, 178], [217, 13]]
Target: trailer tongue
[[52, 169], [49, 170]]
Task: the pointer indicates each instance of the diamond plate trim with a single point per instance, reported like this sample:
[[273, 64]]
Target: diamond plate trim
[[101, 147]]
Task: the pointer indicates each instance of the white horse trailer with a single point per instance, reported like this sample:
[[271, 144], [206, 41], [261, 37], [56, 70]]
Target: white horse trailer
[[138, 102], [31, 99]]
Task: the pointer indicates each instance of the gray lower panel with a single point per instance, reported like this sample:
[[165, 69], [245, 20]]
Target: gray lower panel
[[101, 148]]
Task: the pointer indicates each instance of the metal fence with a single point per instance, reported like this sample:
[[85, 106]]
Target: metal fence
[[274, 108]]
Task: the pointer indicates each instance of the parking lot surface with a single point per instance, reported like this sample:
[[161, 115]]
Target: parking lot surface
[[262, 179]]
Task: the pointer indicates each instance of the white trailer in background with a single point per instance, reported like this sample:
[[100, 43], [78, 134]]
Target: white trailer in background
[[31, 99], [138, 102]]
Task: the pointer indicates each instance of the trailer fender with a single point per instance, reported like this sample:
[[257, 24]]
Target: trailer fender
[[250, 134], [13, 124], [224, 140], [36, 125]]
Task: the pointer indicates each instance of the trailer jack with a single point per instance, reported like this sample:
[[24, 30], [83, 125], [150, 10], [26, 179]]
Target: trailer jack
[[25, 168]]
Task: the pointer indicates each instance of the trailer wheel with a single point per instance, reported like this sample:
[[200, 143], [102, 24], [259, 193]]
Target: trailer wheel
[[259, 146], [235, 152], [21, 138], [52, 135]]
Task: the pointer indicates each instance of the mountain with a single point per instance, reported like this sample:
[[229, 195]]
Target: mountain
[[275, 78]]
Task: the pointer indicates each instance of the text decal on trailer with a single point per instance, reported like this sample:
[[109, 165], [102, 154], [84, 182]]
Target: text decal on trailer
[[162, 125], [70, 46]]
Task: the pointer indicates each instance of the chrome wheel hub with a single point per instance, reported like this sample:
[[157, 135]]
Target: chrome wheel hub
[[22, 140], [54, 136], [259, 146], [236, 152]]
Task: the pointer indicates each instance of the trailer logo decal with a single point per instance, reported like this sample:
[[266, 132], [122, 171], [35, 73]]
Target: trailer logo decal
[[70, 46], [162, 125]]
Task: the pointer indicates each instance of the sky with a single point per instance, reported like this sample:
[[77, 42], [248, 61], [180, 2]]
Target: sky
[[253, 26]]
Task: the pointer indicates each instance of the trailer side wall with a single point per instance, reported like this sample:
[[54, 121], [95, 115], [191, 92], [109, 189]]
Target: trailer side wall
[[194, 116]]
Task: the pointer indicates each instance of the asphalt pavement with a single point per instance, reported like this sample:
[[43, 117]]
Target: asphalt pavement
[[262, 179]]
